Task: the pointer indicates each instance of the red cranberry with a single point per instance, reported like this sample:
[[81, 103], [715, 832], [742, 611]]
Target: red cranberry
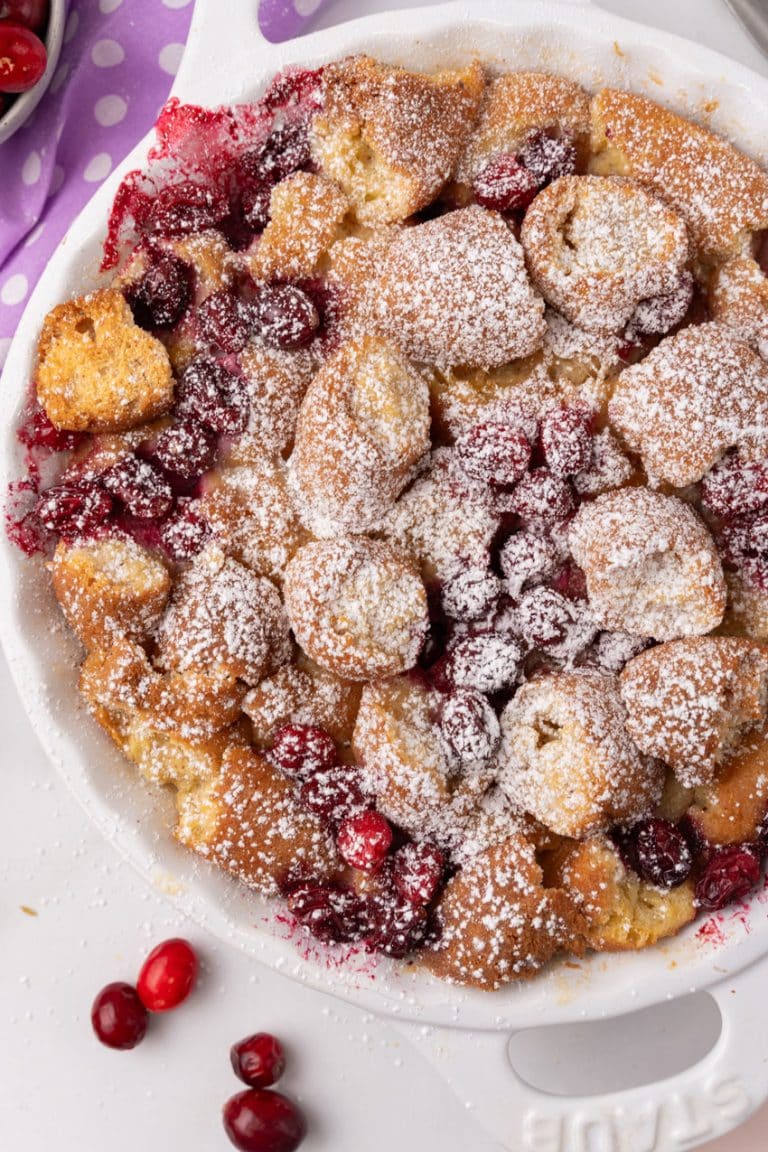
[[167, 975], [470, 593], [208, 392], [184, 534], [494, 453], [566, 440], [659, 853], [23, 57], [293, 86], [331, 913], [284, 315], [730, 874], [258, 1120], [302, 749], [74, 509], [735, 487], [548, 157], [118, 1016], [364, 840], [162, 295], [31, 13], [658, 314], [612, 650], [186, 449], [542, 500], [140, 486], [526, 558], [224, 320], [544, 617], [284, 152], [504, 185], [571, 582], [486, 661], [417, 870], [185, 207], [333, 794], [398, 925], [259, 1060], [37, 431], [469, 727], [255, 201]]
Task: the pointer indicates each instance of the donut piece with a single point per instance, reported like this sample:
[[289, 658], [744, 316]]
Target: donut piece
[[652, 567], [97, 371], [738, 297], [566, 756], [695, 395], [720, 193], [595, 248], [747, 610], [454, 291], [391, 138], [356, 606], [733, 806], [276, 382], [363, 427], [690, 702], [303, 693], [305, 215]]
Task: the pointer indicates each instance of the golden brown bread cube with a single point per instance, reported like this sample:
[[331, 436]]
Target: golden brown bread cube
[[747, 610], [303, 693], [305, 216], [277, 381], [731, 808], [97, 371], [738, 297]]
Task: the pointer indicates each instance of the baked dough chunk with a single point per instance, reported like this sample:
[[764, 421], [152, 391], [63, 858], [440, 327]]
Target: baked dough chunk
[[356, 606], [738, 297], [363, 428], [498, 922], [109, 588], [517, 104], [305, 215], [622, 912], [652, 567], [595, 248], [690, 702], [566, 756], [277, 382], [747, 611], [721, 194], [732, 808], [249, 822], [391, 138], [303, 693], [221, 612], [455, 291], [97, 371], [695, 395]]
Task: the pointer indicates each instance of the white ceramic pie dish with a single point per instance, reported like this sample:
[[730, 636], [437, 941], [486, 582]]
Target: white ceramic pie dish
[[227, 60]]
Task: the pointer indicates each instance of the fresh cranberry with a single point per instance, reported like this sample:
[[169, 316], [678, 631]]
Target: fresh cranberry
[[224, 320], [167, 975], [184, 534], [659, 314], [658, 852], [22, 57], [504, 185], [730, 874], [541, 499], [735, 487], [284, 315], [526, 558], [417, 870], [470, 593], [333, 794], [398, 924], [544, 617], [258, 1120], [162, 295], [494, 453], [469, 726], [548, 157], [37, 431], [485, 661], [566, 440], [364, 840], [258, 1060], [332, 913], [118, 1016], [74, 509], [31, 13], [140, 486], [186, 449], [208, 392], [185, 207], [302, 749]]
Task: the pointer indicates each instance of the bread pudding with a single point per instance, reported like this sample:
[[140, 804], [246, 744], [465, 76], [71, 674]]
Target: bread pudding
[[405, 483]]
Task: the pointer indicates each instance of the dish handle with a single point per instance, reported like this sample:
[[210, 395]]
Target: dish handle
[[699, 1104]]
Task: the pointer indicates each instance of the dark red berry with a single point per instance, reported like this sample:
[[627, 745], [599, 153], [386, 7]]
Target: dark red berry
[[658, 314], [526, 558], [258, 1060], [185, 207], [735, 487], [470, 593], [162, 295], [364, 840], [184, 534], [729, 875], [398, 925], [258, 1120], [548, 157], [505, 185], [22, 57], [543, 617], [333, 794], [417, 870], [494, 453], [291, 87], [255, 200], [167, 975], [659, 852], [468, 726], [214, 396], [141, 487], [486, 661], [186, 449], [566, 440], [37, 431], [284, 315], [302, 749], [74, 509], [542, 500], [571, 582], [118, 1016], [285, 151], [332, 913], [224, 321]]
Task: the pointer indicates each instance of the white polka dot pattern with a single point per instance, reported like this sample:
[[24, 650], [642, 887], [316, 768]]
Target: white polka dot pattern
[[14, 289], [107, 53], [110, 110], [98, 168], [170, 58]]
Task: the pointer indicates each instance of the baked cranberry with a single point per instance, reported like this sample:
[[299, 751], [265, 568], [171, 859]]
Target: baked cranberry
[[184, 534], [548, 157], [729, 875], [224, 320], [658, 314], [208, 392], [37, 431], [658, 852], [162, 295], [118, 1016], [332, 913], [284, 152], [566, 440], [254, 203], [735, 487], [167, 975], [302, 749], [505, 185], [485, 661], [258, 1060], [526, 558], [257, 1120], [22, 57], [417, 870], [186, 449], [541, 499], [291, 87], [74, 509], [185, 207], [612, 650], [333, 794], [470, 593], [543, 617], [364, 840], [397, 925], [571, 582], [469, 727], [494, 453], [284, 315], [140, 486]]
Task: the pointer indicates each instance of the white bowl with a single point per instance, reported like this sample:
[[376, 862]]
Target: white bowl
[[24, 105]]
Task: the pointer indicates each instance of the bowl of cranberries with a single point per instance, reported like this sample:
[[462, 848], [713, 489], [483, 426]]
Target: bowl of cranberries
[[31, 34]]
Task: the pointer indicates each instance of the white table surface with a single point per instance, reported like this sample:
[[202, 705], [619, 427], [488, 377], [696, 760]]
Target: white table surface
[[364, 1088]]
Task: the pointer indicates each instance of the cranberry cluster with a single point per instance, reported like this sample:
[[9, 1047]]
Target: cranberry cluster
[[120, 1011], [509, 182], [734, 493], [259, 1119]]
